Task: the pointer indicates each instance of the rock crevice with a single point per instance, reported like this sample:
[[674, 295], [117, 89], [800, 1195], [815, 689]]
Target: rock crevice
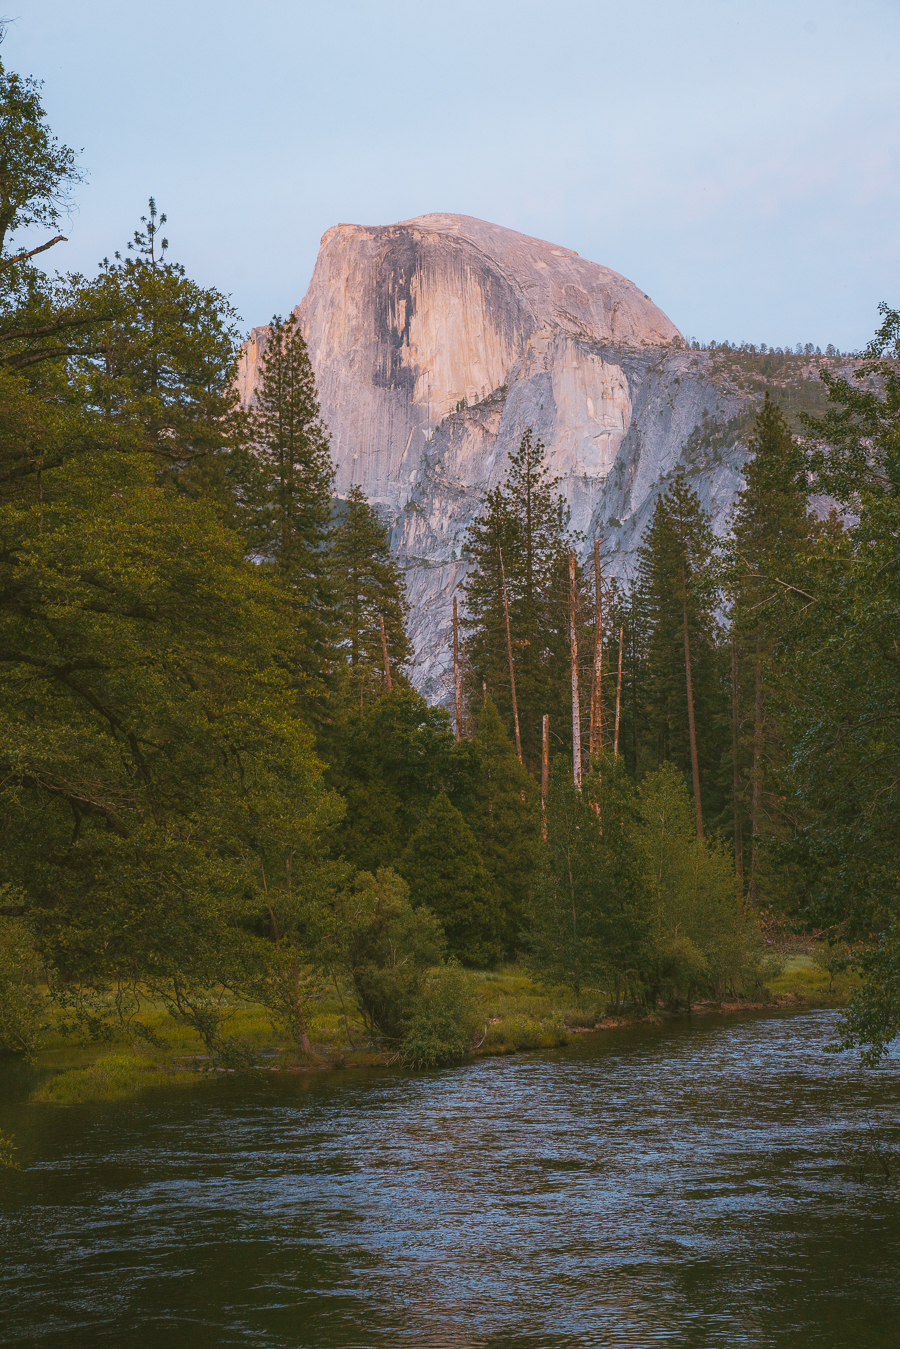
[[438, 341]]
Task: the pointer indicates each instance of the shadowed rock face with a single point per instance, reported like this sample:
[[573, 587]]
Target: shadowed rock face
[[438, 341]]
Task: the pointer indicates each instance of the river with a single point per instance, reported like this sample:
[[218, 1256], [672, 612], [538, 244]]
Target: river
[[695, 1185]]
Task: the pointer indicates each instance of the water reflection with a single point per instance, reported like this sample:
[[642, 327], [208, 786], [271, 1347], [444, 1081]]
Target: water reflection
[[688, 1186]]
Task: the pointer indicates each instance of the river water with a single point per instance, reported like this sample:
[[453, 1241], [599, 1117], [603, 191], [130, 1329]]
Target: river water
[[693, 1185]]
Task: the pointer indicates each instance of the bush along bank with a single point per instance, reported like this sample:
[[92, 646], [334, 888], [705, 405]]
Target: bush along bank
[[465, 1014]]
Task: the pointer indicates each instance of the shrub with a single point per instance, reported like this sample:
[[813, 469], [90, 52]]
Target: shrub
[[445, 1020], [523, 1032], [22, 1007], [113, 1077], [371, 937]]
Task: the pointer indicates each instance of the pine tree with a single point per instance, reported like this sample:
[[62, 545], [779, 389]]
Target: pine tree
[[503, 819], [587, 928], [839, 680], [369, 589], [771, 530], [526, 519], [166, 369], [291, 496], [683, 683], [701, 939], [445, 873], [388, 760]]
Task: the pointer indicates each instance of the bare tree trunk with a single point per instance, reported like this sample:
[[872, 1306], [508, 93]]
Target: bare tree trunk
[[300, 1025], [573, 651], [456, 690], [692, 733], [618, 696], [596, 740], [736, 767], [512, 672], [756, 780], [545, 773], [384, 652]]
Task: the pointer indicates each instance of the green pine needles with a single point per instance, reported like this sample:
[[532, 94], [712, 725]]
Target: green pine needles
[[219, 787], [524, 527], [370, 596]]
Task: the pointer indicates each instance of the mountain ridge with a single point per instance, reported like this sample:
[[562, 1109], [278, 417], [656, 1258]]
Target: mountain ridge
[[437, 341]]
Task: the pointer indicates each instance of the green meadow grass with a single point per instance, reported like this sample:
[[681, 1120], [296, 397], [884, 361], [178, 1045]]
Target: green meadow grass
[[518, 1014]]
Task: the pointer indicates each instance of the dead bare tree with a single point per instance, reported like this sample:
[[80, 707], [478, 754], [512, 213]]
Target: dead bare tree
[[618, 695], [596, 736], [545, 773], [692, 731], [456, 688], [509, 652], [573, 648], [384, 651]]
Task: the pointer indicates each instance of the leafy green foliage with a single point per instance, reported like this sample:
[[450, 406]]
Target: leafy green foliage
[[872, 1020], [586, 926], [154, 761], [444, 871], [293, 509], [444, 1021], [702, 939], [22, 1005], [369, 935], [288, 501], [164, 377], [525, 519], [500, 808], [855, 442], [368, 587], [37, 172], [677, 585], [8, 1148], [843, 688], [388, 760], [772, 530]]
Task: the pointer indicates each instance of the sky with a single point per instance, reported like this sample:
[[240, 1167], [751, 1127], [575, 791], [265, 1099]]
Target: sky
[[738, 159]]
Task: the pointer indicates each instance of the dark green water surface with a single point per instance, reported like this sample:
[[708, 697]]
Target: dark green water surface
[[692, 1185]]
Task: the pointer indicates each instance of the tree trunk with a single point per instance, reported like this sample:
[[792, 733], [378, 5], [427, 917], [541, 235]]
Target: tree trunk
[[512, 672], [456, 689], [618, 697], [299, 1011], [692, 732], [756, 778], [573, 652], [735, 760], [384, 652], [545, 773], [596, 740]]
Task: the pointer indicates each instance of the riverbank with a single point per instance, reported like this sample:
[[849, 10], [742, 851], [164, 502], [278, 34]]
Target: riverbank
[[518, 1013]]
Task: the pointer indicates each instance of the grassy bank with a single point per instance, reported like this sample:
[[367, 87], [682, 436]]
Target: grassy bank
[[518, 1014]]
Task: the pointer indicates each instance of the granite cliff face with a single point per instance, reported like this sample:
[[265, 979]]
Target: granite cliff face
[[437, 341]]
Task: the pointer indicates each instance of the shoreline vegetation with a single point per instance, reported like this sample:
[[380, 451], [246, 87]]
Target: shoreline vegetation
[[226, 813], [519, 1015]]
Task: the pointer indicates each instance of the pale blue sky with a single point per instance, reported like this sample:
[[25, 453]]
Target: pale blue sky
[[738, 159]]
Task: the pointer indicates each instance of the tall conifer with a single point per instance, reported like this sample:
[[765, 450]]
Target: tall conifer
[[446, 874], [292, 493], [676, 584], [525, 517], [772, 529], [368, 587], [504, 820]]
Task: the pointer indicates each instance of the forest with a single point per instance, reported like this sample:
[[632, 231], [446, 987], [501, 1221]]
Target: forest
[[219, 788]]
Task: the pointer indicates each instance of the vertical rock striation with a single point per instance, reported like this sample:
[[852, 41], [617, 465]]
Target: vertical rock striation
[[437, 341]]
